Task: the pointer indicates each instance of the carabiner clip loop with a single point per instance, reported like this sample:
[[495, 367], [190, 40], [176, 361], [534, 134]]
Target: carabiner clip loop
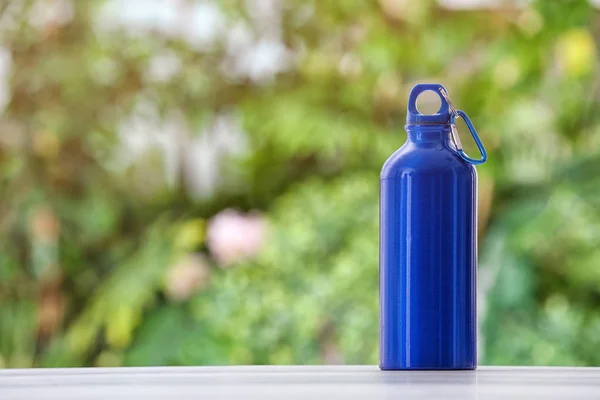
[[461, 153]]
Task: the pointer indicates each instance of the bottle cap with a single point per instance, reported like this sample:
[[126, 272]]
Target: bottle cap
[[413, 116]]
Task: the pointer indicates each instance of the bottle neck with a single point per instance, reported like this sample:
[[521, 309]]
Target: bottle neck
[[428, 134]]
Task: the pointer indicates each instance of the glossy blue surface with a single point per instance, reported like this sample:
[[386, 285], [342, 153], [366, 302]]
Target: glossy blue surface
[[428, 254]]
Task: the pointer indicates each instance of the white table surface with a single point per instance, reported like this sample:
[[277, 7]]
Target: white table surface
[[323, 382]]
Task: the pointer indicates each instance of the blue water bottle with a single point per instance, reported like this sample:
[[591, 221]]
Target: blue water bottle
[[428, 244]]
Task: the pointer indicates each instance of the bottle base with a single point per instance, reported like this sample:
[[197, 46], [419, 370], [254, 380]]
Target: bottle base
[[429, 368]]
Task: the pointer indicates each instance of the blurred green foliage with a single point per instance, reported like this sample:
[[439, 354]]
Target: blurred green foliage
[[119, 245]]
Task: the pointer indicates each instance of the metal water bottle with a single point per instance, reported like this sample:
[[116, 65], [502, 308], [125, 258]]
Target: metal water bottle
[[428, 244]]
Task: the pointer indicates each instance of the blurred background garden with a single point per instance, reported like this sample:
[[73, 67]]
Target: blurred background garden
[[196, 182]]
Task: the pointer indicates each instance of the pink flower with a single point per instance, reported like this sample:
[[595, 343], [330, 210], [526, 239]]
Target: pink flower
[[186, 277], [233, 237], [44, 225]]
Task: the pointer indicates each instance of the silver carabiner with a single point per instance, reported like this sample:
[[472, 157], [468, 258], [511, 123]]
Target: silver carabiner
[[461, 152], [447, 98], [454, 114], [453, 111]]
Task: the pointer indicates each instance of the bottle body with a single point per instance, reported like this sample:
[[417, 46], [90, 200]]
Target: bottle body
[[428, 255]]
